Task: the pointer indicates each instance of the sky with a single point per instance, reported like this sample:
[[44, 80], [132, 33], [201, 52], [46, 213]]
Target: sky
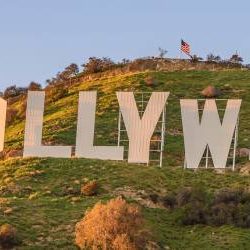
[[40, 38]]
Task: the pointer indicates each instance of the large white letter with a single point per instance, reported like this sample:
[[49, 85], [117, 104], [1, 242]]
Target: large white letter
[[3, 107], [85, 132], [209, 132], [140, 130], [33, 130]]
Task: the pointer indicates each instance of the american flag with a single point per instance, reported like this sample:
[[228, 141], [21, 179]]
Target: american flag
[[185, 47]]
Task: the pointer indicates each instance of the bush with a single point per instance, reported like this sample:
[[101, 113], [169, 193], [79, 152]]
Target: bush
[[154, 198], [189, 195], [222, 214], [11, 115], [34, 86], [56, 93], [22, 110], [122, 242], [194, 213], [245, 198], [95, 65], [8, 236], [90, 188], [227, 207], [243, 216], [231, 207], [62, 78], [228, 196], [13, 91], [169, 201], [115, 225], [195, 58]]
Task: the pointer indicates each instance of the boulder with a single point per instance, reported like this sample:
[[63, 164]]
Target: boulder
[[244, 152], [150, 81], [210, 92]]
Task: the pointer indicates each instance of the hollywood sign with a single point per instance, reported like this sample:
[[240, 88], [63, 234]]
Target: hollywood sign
[[210, 131]]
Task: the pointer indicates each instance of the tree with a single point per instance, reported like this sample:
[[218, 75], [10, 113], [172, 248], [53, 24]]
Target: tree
[[213, 58], [69, 71], [95, 65], [13, 91], [72, 69], [125, 61], [195, 58], [235, 58], [34, 86], [62, 77], [162, 52]]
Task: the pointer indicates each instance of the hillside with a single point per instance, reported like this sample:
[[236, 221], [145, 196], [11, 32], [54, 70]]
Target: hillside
[[43, 196]]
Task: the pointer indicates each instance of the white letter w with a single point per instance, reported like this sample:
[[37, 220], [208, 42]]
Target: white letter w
[[210, 131]]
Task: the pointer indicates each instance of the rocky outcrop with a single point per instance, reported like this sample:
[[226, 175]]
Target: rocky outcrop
[[244, 152]]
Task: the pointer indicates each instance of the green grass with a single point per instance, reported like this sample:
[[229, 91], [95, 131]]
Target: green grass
[[45, 214]]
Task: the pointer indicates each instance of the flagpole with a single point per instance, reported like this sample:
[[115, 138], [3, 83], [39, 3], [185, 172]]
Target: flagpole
[[180, 52]]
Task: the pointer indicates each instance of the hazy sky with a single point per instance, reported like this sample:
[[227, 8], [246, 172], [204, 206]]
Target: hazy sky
[[40, 38]]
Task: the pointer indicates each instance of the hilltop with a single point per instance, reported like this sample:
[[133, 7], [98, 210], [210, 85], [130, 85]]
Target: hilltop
[[42, 198]]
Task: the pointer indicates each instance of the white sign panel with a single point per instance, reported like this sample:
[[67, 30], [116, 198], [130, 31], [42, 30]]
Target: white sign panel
[[210, 131], [86, 130], [140, 130], [33, 130], [3, 108]]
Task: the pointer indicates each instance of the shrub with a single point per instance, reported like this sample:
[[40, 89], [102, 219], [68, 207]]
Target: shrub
[[212, 58], [8, 236], [95, 65], [13, 91], [231, 207], [169, 201], [115, 225], [235, 58], [11, 115], [154, 198], [22, 110], [195, 58], [245, 198], [183, 196], [62, 78], [56, 93], [189, 195], [34, 86], [194, 213], [122, 242], [222, 214], [227, 207], [90, 188], [243, 216], [228, 196]]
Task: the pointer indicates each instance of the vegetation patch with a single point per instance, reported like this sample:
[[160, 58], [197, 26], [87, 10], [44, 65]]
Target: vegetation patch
[[115, 225]]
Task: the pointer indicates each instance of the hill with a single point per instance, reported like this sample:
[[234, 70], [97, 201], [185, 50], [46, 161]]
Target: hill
[[41, 197]]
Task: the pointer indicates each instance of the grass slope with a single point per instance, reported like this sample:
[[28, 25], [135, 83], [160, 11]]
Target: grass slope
[[45, 212]]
